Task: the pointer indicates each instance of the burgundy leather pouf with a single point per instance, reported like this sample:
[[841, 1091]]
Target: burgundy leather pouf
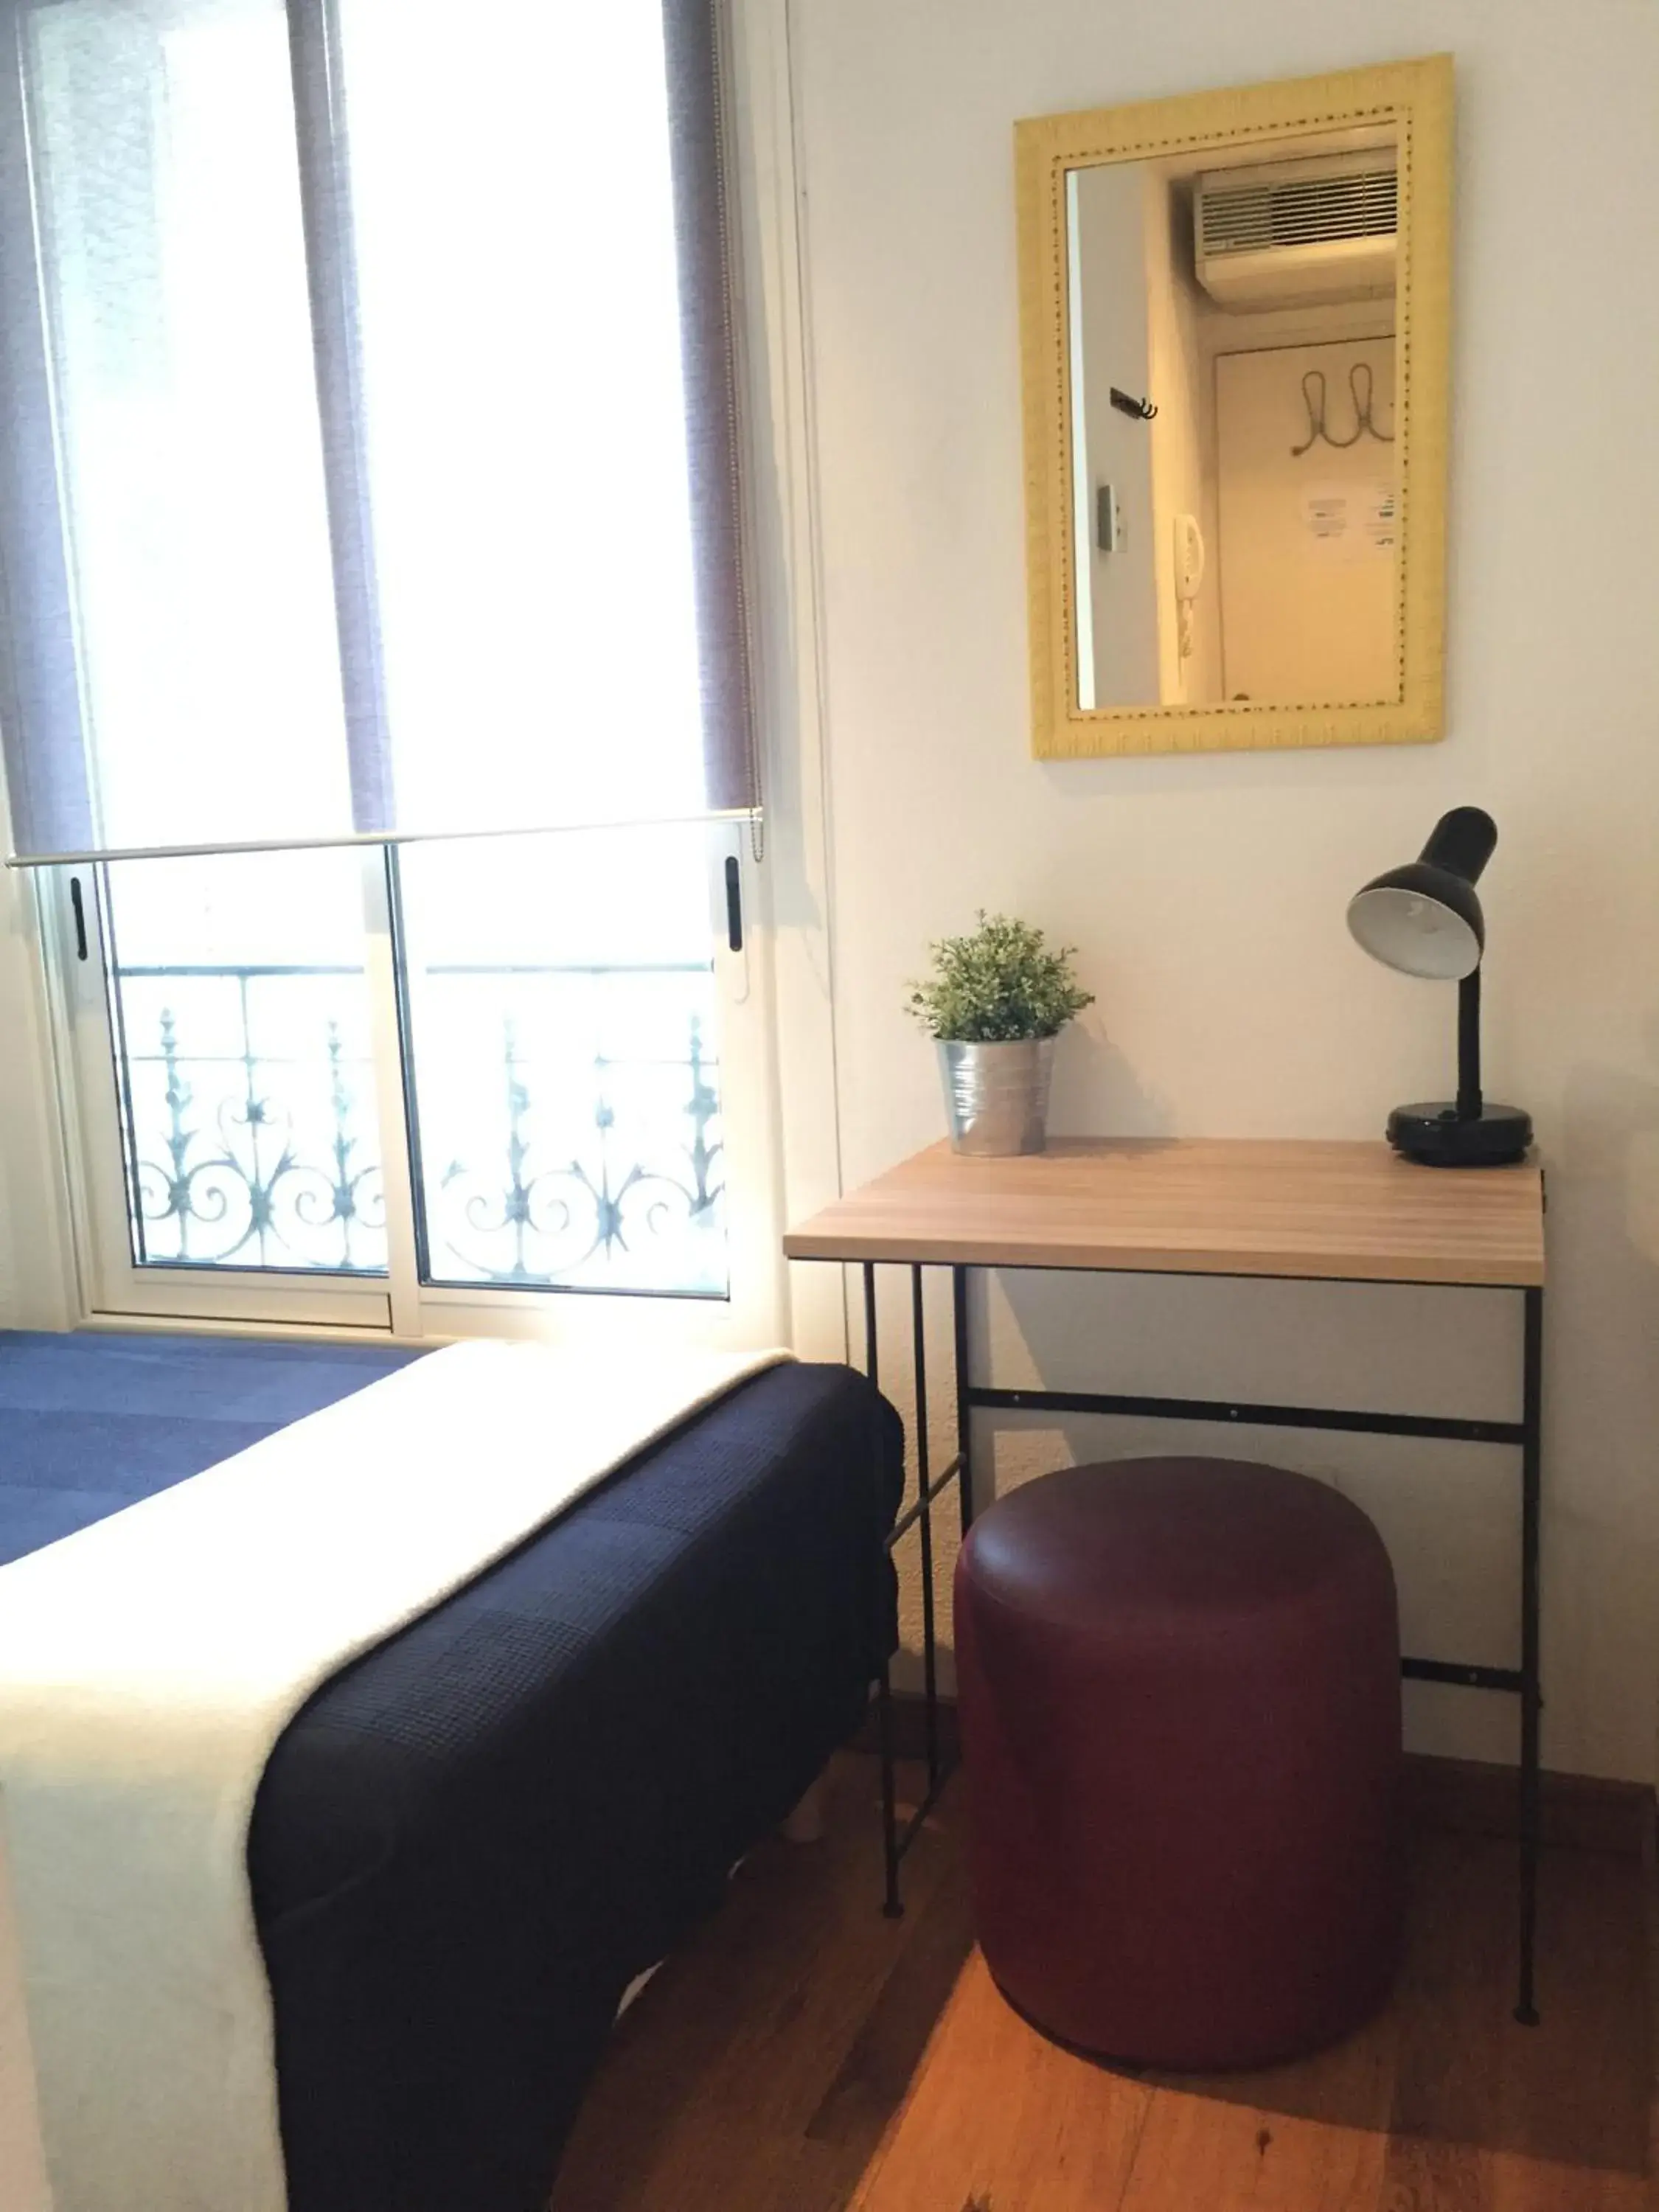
[[1179, 1692]]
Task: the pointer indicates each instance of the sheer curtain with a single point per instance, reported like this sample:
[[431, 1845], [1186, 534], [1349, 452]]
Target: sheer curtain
[[519, 309], [524, 399], [172, 291], [370, 465]]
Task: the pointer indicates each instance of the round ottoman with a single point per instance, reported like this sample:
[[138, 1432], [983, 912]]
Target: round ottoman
[[1179, 1693]]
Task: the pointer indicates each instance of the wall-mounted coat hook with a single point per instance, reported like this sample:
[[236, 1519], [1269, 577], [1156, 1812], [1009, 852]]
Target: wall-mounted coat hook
[[1361, 391], [1142, 410]]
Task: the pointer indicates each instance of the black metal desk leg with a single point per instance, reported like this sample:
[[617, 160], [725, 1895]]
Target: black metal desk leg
[[964, 1409], [892, 1905], [898, 1835], [925, 1534], [1525, 2010], [889, 1828]]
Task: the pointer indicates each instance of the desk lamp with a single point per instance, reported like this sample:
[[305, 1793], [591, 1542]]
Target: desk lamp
[[1425, 920]]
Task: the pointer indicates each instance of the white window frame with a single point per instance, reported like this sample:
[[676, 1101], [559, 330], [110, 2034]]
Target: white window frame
[[789, 1090]]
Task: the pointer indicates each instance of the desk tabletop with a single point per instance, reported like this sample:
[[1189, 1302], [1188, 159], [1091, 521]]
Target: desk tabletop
[[1335, 1212]]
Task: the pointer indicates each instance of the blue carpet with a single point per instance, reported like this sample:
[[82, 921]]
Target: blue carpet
[[87, 1423]]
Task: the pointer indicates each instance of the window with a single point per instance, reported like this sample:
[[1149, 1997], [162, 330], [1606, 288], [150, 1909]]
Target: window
[[372, 475], [244, 1053]]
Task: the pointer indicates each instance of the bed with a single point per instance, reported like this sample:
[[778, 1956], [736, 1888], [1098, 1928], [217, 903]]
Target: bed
[[469, 1841]]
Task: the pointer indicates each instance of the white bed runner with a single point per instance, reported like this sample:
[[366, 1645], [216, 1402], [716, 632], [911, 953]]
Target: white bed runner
[[148, 1665]]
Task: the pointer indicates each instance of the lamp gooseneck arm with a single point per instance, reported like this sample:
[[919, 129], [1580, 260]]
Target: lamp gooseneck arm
[[1470, 1104]]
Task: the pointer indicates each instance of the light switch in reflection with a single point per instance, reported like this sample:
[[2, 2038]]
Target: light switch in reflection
[[1109, 520]]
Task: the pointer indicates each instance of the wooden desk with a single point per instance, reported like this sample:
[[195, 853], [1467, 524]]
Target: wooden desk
[[1347, 1213], [1285, 1210]]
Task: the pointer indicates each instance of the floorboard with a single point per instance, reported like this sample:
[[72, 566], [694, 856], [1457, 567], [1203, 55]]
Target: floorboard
[[802, 2054]]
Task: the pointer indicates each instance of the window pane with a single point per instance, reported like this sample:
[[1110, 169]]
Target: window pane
[[162, 146], [245, 1065], [525, 414], [564, 1057]]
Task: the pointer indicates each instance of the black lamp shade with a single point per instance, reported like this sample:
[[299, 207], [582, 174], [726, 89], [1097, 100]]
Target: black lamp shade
[[1420, 920], [1424, 919]]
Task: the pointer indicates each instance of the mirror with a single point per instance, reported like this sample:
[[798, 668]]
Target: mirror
[[1235, 342]]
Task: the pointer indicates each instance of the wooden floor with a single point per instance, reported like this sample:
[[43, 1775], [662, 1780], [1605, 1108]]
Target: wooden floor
[[803, 2055]]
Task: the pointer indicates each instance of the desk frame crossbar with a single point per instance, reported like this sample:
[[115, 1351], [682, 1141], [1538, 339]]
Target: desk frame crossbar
[[1525, 1436]]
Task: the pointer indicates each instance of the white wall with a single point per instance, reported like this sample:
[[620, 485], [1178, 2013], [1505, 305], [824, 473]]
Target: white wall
[[1180, 380], [1111, 345], [1207, 894]]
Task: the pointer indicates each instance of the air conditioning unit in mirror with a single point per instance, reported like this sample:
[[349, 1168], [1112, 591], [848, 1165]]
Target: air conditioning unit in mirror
[[1283, 234]]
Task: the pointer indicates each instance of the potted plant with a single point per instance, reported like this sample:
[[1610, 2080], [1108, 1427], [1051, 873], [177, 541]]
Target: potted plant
[[995, 1001]]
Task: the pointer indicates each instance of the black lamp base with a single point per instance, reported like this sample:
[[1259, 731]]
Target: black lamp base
[[1436, 1136]]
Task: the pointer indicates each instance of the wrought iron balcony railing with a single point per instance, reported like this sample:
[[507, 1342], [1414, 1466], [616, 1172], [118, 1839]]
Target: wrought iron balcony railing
[[565, 1120]]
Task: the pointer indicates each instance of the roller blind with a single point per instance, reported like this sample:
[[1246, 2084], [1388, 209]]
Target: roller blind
[[371, 462]]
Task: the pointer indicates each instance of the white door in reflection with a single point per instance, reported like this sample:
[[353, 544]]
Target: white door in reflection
[[1307, 502]]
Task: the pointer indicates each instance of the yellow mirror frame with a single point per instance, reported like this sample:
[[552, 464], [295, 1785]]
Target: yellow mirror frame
[[1416, 98]]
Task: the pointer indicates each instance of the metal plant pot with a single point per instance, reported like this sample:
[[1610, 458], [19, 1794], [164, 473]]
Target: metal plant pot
[[997, 1095]]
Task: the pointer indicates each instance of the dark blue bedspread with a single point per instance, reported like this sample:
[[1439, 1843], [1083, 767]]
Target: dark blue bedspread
[[468, 1842], [90, 1423]]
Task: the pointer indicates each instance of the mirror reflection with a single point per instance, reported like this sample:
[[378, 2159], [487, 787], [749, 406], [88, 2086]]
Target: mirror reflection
[[1232, 388]]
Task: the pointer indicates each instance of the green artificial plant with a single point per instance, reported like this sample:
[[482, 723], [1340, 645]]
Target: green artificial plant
[[1000, 982]]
